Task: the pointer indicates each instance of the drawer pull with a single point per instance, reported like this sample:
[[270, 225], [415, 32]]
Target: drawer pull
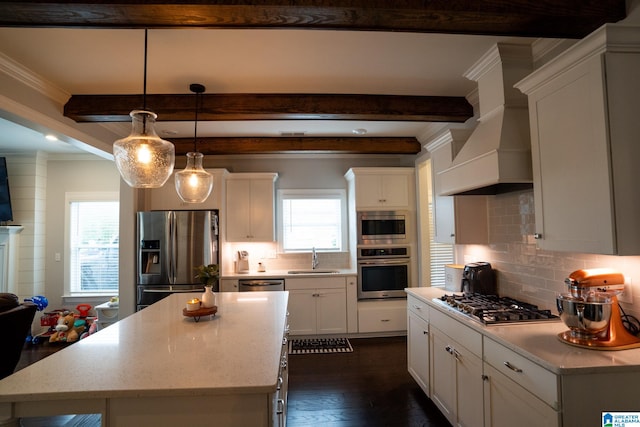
[[417, 307], [385, 320], [513, 368], [456, 354], [448, 349], [425, 332]]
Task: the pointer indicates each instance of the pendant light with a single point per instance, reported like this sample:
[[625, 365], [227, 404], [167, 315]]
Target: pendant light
[[194, 184], [143, 159]]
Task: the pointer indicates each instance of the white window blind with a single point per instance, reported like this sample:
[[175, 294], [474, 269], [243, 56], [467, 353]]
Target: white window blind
[[440, 254], [93, 246]]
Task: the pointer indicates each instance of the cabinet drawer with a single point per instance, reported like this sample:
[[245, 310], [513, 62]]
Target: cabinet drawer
[[533, 377], [383, 316], [314, 283], [418, 307], [457, 331]]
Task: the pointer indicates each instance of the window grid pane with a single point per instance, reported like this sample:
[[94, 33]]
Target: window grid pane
[[309, 223], [94, 227]]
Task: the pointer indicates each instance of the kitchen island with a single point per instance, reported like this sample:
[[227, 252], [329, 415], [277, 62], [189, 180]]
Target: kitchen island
[[158, 367]]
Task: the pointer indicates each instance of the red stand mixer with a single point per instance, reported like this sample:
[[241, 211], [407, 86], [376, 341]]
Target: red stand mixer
[[591, 311]]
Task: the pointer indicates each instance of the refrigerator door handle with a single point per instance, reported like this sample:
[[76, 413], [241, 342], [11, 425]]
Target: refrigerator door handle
[[172, 248]]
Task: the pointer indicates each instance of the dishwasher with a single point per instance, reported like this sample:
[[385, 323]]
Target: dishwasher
[[252, 285]]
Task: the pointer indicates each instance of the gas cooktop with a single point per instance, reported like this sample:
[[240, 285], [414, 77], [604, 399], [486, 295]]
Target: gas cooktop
[[492, 309]]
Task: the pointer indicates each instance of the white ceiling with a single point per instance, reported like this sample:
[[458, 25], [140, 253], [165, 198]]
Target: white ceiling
[[94, 61]]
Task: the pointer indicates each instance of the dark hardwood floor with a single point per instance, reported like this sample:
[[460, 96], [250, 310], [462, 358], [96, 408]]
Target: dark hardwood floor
[[368, 387]]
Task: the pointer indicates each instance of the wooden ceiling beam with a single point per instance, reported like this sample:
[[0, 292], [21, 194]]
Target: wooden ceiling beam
[[218, 107], [289, 145], [529, 18]]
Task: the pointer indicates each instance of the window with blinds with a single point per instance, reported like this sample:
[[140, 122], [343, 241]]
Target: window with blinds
[[440, 253], [93, 246]]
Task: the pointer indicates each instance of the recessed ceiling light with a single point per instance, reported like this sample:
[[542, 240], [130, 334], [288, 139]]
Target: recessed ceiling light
[[51, 137], [359, 131]]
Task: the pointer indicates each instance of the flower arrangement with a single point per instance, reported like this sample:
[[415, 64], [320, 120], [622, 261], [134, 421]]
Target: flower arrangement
[[207, 274]]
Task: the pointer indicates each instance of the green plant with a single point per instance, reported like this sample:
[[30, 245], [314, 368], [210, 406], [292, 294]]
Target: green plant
[[207, 274]]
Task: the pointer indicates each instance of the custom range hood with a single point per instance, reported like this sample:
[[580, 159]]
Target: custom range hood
[[497, 156]]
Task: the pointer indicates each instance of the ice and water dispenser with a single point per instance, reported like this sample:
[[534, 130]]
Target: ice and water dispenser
[[150, 257]]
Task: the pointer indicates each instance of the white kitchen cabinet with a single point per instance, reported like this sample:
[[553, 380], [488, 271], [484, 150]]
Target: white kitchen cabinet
[[250, 207], [352, 304], [418, 352], [457, 219], [166, 197], [584, 128], [383, 188], [388, 315], [517, 391], [317, 305], [229, 285], [456, 370]]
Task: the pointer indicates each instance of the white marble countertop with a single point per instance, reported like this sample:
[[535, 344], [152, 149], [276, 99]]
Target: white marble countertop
[[539, 342], [279, 274], [160, 352]]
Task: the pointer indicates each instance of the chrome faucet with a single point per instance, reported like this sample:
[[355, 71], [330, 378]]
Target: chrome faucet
[[314, 258]]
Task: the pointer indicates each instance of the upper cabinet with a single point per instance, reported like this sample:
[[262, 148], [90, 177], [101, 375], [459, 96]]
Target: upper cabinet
[[457, 219], [250, 207], [166, 197], [383, 188], [583, 108]]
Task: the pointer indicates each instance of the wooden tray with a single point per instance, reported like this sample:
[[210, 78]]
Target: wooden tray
[[196, 314]]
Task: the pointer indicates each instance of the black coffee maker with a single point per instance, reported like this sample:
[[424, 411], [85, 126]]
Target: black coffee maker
[[479, 278]]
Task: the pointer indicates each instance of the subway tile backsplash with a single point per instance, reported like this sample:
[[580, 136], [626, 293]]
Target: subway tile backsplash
[[528, 273]]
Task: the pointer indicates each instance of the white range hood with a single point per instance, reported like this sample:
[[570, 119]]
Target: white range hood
[[497, 156]]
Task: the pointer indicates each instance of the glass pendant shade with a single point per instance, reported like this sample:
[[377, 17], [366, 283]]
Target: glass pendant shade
[[193, 183], [143, 159]]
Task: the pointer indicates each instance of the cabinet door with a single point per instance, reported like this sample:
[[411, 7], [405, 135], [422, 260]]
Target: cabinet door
[[228, 285], [395, 190], [238, 212], [507, 404], [302, 311], [443, 374], [469, 388], [331, 311], [418, 351], [368, 191], [261, 210], [573, 209]]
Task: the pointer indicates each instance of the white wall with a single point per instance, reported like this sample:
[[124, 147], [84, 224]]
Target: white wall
[[86, 174]]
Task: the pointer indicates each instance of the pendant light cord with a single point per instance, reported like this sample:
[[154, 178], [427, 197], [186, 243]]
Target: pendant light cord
[[195, 127], [144, 86]]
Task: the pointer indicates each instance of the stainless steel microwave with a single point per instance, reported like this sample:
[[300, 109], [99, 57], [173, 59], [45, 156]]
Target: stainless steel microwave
[[383, 227]]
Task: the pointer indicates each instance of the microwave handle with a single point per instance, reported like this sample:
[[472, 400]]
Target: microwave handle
[[385, 262]]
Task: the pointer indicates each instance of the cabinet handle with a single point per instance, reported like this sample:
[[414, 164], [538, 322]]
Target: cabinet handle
[[425, 332], [417, 307], [456, 354], [485, 378], [385, 320], [537, 236], [280, 409], [448, 349], [513, 368], [452, 235]]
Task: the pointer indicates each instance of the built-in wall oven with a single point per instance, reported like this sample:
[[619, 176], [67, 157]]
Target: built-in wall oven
[[383, 272]]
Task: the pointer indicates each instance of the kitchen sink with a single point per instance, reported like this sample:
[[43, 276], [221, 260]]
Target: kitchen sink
[[312, 271]]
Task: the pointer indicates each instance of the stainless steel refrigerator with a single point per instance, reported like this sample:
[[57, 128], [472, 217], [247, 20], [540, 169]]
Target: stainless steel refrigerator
[[170, 245]]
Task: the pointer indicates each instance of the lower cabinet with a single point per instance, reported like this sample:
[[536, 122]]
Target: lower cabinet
[[418, 354], [382, 315], [518, 391], [456, 382], [317, 305]]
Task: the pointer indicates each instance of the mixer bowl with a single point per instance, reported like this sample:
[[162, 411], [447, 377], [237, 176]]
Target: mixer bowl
[[584, 317]]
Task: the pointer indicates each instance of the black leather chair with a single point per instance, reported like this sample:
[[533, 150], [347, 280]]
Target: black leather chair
[[15, 324]]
